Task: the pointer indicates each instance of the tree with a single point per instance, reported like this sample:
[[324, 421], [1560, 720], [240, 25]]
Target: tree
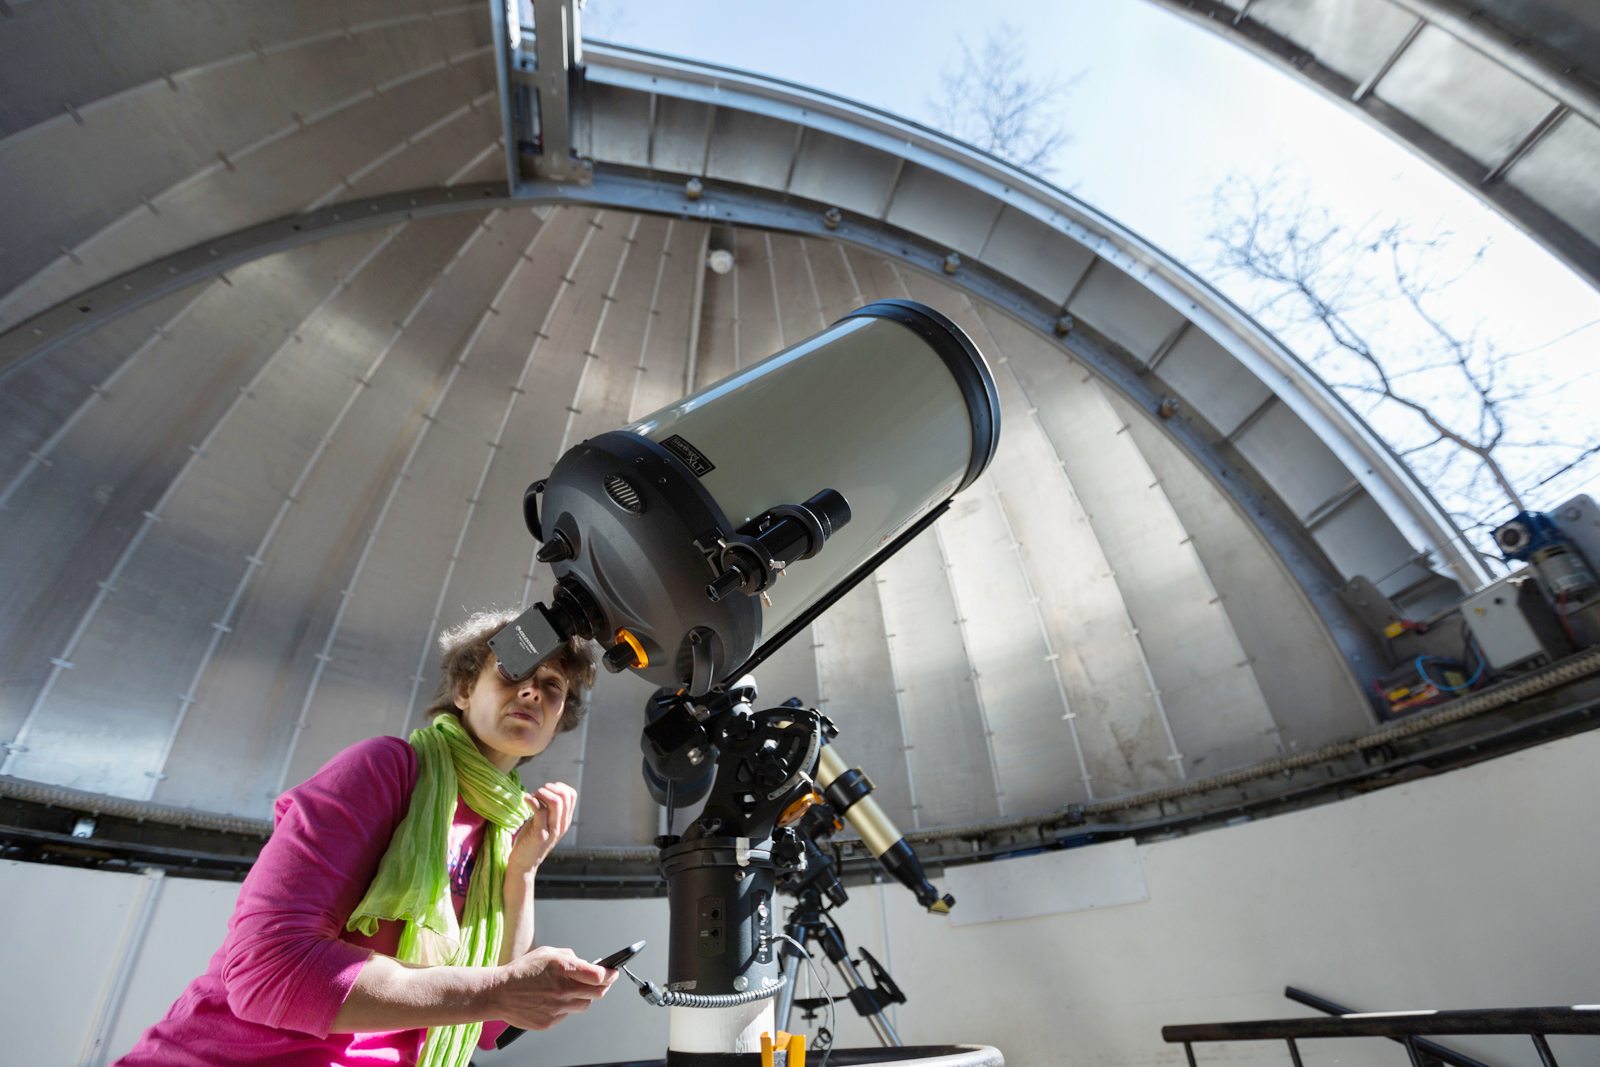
[[990, 103], [1372, 306]]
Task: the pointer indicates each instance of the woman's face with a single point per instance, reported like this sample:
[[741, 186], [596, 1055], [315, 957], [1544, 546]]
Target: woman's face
[[510, 720]]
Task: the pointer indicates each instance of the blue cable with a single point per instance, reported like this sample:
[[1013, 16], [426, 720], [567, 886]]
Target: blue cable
[[1449, 688]]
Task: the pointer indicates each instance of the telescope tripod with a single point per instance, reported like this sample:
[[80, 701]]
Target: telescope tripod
[[809, 923]]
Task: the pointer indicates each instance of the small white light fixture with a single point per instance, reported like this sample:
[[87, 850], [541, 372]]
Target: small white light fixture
[[720, 261]]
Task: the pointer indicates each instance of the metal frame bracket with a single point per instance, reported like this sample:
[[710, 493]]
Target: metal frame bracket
[[542, 93]]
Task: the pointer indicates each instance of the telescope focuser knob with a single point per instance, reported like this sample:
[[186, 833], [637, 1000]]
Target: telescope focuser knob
[[625, 654]]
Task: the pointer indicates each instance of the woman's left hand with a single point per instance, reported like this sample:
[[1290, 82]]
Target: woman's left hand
[[552, 806]]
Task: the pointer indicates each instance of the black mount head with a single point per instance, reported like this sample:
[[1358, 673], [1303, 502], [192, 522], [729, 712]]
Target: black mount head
[[764, 763]]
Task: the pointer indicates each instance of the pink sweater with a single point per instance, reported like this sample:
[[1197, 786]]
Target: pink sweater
[[287, 964]]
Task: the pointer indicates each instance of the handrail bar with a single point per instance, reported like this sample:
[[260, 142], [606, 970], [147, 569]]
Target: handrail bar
[[1578, 1019], [1431, 1048]]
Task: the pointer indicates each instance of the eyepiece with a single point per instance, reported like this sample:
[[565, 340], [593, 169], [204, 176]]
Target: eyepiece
[[831, 509], [724, 583]]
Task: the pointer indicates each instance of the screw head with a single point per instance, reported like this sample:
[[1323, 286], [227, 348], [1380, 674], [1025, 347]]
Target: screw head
[[692, 188], [952, 263], [831, 218], [740, 983]]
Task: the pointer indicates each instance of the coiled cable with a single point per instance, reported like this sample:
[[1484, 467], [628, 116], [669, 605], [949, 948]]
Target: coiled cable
[[669, 998]]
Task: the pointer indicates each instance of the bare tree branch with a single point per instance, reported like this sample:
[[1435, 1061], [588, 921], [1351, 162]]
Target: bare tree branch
[[1368, 301], [989, 102]]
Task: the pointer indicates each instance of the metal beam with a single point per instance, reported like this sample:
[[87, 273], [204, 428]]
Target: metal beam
[[556, 79], [1376, 76], [1396, 1024], [1431, 1048], [504, 45], [1511, 47], [1527, 144]]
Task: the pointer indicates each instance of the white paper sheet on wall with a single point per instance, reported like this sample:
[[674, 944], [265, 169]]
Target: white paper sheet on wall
[[1095, 876]]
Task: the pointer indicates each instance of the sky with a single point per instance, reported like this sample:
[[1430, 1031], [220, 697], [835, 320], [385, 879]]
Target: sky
[[1162, 111]]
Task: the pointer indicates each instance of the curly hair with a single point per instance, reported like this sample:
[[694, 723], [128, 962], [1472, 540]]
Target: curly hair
[[464, 651]]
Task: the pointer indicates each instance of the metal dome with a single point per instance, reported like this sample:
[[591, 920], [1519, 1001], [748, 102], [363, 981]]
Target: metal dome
[[282, 348], [1502, 95]]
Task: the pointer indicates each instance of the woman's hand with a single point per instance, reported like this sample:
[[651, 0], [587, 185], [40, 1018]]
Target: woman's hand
[[539, 989], [552, 807], [534, 990], [551, 816]]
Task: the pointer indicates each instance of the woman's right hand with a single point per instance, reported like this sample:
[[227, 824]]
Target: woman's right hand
[[550, 816], [540, 988]]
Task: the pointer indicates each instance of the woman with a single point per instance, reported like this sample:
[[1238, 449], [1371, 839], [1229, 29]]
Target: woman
[[389, 918]]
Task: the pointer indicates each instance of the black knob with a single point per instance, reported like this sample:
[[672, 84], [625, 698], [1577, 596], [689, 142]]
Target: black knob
[[788, 851], [556, 550], [620, 656]]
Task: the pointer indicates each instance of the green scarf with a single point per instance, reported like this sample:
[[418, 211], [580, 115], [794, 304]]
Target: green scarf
[[413, 882]]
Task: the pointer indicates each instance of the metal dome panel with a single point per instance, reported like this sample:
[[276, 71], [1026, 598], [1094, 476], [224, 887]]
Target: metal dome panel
[[1502, 95], [287, 441]]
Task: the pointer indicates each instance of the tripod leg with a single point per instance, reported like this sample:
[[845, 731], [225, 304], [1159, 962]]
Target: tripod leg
[[864, 1006]]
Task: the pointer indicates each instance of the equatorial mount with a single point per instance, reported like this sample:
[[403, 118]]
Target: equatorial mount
[[775, 787]]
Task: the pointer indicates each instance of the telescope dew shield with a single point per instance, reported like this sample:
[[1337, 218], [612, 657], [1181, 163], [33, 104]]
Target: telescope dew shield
[[705, 527], [848, 792]]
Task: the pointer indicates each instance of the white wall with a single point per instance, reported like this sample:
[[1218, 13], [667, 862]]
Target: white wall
[[188, 926], [1473, 889], [63, 932]]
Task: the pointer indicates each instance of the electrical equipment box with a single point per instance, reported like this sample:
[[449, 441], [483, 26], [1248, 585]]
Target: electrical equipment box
[[1579, 521], [1512, 622]]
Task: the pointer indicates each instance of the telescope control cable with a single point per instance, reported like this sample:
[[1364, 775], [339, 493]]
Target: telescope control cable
[[668, 998]]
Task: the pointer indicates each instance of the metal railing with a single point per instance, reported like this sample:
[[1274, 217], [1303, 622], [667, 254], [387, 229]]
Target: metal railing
[[1410, 1028]]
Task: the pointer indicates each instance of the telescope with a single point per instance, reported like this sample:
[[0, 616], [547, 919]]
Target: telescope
[[695, 542]]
